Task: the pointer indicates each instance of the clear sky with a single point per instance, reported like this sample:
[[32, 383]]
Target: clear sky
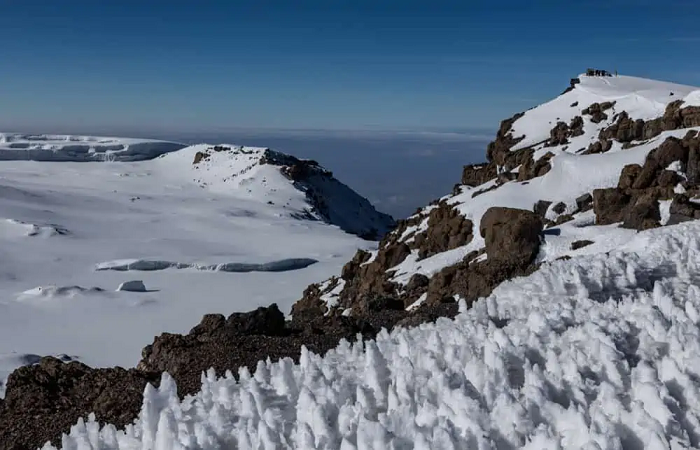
[[327, 64]]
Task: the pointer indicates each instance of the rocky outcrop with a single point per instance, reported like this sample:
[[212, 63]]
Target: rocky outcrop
[[627, 130], [597, 111], [447, 230], [498, 149], [530, 168], [560, 134], [477, 174], [46, 399], [634, 201], [512, 239], [512, 236]]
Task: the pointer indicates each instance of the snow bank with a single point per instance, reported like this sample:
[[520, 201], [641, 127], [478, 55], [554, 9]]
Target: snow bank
[[692, 99], [132, 286], [597, 352], [45, 147]]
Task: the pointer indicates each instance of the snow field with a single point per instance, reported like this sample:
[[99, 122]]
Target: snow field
[[597, 352]]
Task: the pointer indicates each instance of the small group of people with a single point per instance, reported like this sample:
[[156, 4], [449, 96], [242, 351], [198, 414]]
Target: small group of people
[[598, 73]]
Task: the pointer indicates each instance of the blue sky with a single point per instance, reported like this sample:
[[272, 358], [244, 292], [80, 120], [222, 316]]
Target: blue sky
[[204, 65]]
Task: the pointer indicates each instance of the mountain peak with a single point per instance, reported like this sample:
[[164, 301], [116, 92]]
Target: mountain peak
[[288, 185], [609, 157]]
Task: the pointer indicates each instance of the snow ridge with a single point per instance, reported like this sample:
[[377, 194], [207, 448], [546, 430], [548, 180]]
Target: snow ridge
[[597, 352], [44, 147]]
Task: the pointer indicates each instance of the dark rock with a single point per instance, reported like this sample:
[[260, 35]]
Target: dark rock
[[477, 174], [595, 110], [428, 314], [584, 202], [559, 208], [185, 357], [593, 148], [642, 215], [498, 149], [350, 269], [541, 208], [574, 104], [209, 323], [609, 205], [43, 401], [512, 236], [268, 321], [628, 175], [683, 209], [417, 281], [371, 304], [563, 219], [580, 244], [668, 178], [669, 151], [447, 230], [559, 134]]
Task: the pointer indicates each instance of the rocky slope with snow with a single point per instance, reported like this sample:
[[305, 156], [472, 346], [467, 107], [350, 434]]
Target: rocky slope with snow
[[609, 151], [572, 255]]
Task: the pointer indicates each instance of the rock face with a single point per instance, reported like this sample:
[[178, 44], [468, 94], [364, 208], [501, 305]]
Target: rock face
[[634, 201], [512, 236], [44, 400]]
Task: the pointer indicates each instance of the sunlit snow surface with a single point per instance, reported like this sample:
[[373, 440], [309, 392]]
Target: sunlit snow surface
[[226, 236], [50, 147], [597, 352]]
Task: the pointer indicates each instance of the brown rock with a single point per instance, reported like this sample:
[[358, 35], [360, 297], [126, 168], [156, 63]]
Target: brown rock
[[447, 230], [498, 149], [629, 173], [610, 205], [477, 174], [512, 236], [44, 400]]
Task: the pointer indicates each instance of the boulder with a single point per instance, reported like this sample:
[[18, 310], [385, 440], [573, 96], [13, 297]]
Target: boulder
[[512, 236], [609, 205], [584, 202], [267, 321]]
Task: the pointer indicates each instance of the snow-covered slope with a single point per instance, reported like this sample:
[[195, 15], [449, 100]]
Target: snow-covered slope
[[224, 235], [292, 187], [598, 352], [641, 98], [49, 147]]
